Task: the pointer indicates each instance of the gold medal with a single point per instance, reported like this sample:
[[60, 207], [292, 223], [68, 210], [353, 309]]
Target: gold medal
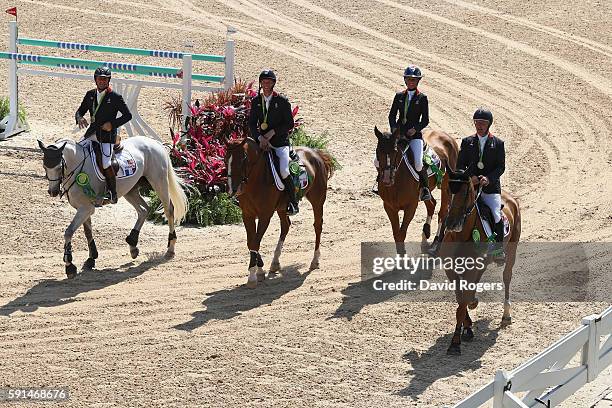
[[480, 165], [264, 126]]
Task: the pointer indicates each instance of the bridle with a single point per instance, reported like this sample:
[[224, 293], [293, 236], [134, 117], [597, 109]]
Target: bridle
[[244, 169], [63, 179], [471, 207], [388, 165]]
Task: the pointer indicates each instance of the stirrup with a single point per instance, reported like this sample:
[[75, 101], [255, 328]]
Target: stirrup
[[425, 194], [497, 254], [111, 198], [292, 209]]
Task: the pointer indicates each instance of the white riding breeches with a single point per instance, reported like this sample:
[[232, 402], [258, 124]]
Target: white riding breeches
[[493, 201], [107, 151], [283, 160], [416, 145]]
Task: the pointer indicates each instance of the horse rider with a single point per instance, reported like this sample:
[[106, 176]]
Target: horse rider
[[270, 121], [103, 104], [485, 156], [413, 108]]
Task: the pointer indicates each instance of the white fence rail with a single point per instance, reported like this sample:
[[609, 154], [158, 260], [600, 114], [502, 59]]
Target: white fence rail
[[544, 379], [130, 88]]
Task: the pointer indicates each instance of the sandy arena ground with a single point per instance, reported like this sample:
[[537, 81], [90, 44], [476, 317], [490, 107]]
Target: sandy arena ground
[[187, 333]]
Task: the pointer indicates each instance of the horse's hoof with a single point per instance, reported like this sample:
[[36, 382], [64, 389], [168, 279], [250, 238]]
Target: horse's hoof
[[473, 305], [454, 350], [468, 334], [169, 255], [89, 264], [261, 277], [427, 230], [274, 267], [506, 320], [251, 284], [134, 251], [71, 271], [314, 265]]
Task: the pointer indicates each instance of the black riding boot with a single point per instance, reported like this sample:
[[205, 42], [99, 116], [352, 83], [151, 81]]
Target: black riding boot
[[424, 182], [111, 184], [292, 206], [498, 254]]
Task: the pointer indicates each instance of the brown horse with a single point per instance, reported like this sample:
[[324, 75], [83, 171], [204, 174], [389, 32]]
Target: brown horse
[[249, 178], [400, 191], [458, 240]]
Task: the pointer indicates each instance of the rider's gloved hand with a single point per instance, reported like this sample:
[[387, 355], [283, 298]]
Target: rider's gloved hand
[[82, 122], [484, 181]]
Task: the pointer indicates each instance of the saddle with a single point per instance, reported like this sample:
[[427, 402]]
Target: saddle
[[486, 216], [430, 160], [117, 148], [297, 171]]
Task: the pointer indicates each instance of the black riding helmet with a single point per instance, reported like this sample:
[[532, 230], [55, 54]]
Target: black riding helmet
[[103, 72], [412, 71], [267, 74], [483, 114]]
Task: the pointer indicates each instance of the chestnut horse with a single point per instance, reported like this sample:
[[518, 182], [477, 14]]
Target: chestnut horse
[[249, 178], [400, 191], [462, 220]]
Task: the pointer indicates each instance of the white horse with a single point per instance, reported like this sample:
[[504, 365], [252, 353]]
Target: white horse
[[66, 159]]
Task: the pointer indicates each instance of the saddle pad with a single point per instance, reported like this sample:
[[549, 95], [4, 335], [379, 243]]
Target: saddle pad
[[426, 151], [127, 164], [277, 179], [487, 226], [301, 179]]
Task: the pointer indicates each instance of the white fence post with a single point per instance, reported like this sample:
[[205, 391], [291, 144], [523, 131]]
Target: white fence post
[[187, 72], [590, 350], [499, 385], [13, 121], [229, 59]]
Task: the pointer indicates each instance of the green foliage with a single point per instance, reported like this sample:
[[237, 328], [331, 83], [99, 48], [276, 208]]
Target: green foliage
[[204, 209], [299, 137], [5, 109]]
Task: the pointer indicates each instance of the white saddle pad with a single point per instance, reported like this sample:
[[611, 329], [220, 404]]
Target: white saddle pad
[[428, 151], [488, 228], [127, 164], [277, 179]]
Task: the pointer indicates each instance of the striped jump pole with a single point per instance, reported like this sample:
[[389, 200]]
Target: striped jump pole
[[128, 87]]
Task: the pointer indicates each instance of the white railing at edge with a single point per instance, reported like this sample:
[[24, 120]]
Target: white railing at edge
[[544, 378], [129, 88]]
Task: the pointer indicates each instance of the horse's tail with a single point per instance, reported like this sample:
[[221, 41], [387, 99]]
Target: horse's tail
[[178, 198], [328, 161]]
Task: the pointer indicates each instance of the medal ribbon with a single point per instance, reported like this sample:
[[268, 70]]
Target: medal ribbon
[[93, 115], [406, 103], [264, 111], [481, 151]]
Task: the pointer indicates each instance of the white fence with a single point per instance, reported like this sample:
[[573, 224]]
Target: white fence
[[129, 88], [544, 378]]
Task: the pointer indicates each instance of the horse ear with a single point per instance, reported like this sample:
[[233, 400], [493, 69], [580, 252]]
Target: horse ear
[[62, 148], [377, 132], [41, 145]]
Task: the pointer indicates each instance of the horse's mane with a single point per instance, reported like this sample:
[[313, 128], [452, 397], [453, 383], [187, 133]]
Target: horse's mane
[[58, 141]]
